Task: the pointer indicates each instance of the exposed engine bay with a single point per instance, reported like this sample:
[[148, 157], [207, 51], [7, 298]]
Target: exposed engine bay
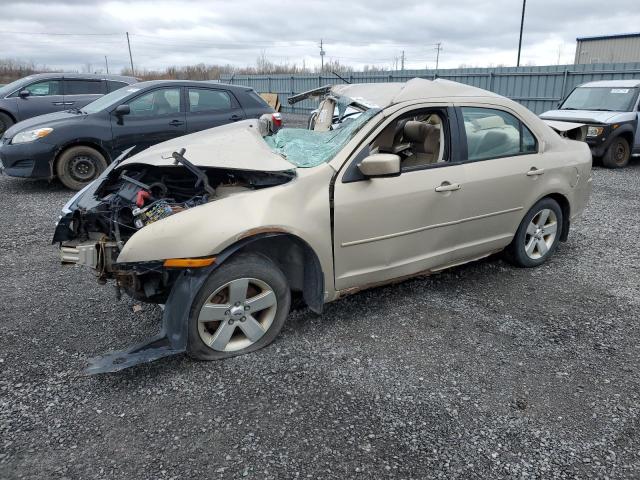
[[127, 199]]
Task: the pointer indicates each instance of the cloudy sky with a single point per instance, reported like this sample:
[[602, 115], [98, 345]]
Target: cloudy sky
[[72, 34]]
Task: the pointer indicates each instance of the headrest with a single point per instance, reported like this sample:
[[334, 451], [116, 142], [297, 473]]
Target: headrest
[[484, 123], [415, 132]]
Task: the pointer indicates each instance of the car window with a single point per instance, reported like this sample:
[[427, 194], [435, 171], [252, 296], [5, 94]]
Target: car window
[[419, 138], [257, 99], [44, 88], [83, 87], [164, 101], [204, 99], [113, 85], [494, 133]]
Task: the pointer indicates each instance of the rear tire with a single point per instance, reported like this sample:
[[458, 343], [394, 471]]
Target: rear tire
[[537, 236], [5, 122], [618, 154], [76, 167], [240, 308]]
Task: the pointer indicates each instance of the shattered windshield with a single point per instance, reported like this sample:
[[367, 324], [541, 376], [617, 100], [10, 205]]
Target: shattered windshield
[[307, 148]]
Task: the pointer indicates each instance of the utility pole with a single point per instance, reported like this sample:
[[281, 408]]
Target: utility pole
[[130, 57], [321, 57], [438, 48], [106, 62], [524, 4], [402, 61]]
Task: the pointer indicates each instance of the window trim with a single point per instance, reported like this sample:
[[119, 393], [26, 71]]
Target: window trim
[[464, 140], [234, 101], [146, 92]]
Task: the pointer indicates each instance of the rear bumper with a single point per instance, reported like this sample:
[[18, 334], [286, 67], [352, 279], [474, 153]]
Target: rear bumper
[[28, 160]]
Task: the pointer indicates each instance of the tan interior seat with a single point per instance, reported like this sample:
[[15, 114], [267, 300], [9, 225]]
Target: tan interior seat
[[425, 143]]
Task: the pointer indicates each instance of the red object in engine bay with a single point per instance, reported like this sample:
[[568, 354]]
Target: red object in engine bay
[[141, 197]]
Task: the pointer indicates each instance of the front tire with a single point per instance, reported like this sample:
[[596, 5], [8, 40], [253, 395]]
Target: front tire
[[537, 236], [618, 154], [78, 166], [241, 308]]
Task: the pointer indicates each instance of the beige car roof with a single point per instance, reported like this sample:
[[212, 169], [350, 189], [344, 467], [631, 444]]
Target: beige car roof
[[383, 95]]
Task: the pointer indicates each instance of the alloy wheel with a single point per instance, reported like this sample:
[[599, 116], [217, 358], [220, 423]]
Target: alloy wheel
[[541, 234], [237, 315]]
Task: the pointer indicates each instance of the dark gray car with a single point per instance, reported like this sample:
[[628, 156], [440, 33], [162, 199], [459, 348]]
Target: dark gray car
[[53, 92]]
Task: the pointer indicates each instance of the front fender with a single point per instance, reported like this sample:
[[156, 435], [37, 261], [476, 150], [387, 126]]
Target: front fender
[[300, 208]]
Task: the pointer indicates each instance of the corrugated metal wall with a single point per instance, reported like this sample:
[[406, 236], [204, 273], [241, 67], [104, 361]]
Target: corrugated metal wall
[[537, 88], [598, 50]]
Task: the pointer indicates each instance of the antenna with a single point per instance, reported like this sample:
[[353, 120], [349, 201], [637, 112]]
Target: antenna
[[402, 61]]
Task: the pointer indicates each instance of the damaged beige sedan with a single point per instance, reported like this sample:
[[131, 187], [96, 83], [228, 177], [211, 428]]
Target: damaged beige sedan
[[224, 227]]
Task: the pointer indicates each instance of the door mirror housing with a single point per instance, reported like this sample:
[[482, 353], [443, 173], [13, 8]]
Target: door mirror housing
[[380, 165], [122, 110], [24, 93]]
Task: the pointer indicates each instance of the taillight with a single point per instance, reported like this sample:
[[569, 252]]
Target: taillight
[[276, 119]]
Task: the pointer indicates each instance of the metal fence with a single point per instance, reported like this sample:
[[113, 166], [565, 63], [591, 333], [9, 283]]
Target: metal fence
[[537, 88]]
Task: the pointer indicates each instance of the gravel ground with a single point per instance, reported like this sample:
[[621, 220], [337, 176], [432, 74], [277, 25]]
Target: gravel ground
[[485, 371]]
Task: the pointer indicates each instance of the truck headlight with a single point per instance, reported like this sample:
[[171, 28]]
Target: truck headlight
[[31, 135], [595, 131]]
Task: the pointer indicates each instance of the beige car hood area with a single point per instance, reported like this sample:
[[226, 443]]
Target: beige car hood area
[[237, 146]]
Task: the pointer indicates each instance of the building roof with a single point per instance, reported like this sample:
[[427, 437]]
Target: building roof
[[385, 94], [608, 37]]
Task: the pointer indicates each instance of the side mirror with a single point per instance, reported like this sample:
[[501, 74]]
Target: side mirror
[[380, 165], [122, 110], [24, 93]]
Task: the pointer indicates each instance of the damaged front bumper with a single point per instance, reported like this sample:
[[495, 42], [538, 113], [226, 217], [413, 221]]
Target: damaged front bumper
[[172, 339]]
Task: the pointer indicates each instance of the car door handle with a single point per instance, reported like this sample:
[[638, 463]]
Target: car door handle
[[448, 187], [68, 103], [535, 171], [57, 103], [176, 123], [235, 118]]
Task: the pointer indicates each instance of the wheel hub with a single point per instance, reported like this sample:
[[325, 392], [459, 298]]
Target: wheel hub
[[237, 314], [82, 168]]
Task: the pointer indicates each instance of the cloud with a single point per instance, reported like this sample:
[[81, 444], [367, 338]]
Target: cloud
[[355, 32]]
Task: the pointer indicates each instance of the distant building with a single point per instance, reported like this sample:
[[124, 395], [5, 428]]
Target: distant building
[[620, 48]]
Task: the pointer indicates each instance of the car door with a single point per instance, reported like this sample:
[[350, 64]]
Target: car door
[[211, 107], [389, 227], [78, 92], [155, 116], [505, 172], [44, 96]]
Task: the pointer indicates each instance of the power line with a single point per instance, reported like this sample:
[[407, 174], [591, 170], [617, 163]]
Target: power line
[[58, 34]]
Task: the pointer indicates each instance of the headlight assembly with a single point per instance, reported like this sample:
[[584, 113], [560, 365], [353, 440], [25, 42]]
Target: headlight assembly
[[31, 135], [595, 131]]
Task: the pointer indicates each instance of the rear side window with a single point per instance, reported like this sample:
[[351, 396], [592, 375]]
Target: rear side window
[[164, 101], [42, 89], [494, 133], [112, 85], [83, 87], [257, 99], [204, 99]]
